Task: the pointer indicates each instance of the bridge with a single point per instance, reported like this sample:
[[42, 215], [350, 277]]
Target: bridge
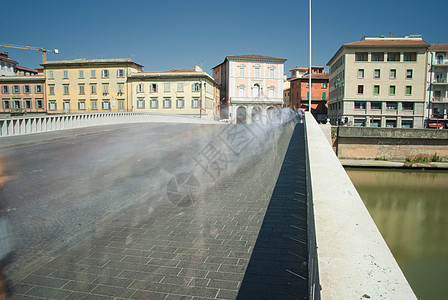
[[187, 210]]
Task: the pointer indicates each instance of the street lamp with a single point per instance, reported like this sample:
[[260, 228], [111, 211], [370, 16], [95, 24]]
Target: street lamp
[[336, 85]]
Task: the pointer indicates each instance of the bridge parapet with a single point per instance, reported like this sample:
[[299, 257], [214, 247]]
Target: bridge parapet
[[45, 123], [354, 261]]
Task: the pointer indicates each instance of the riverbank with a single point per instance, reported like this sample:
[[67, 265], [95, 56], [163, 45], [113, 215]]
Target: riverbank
[[364, 163]]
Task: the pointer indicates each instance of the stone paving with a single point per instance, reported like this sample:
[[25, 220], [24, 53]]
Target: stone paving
[[241, 237]]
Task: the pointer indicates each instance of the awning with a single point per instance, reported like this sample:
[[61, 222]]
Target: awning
[[435, 125]]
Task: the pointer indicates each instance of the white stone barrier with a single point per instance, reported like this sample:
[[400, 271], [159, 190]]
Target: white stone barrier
[[36, 124], [353, 260]]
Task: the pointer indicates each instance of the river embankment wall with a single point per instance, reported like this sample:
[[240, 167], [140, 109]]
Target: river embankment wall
[[388, 143], [353, 260]]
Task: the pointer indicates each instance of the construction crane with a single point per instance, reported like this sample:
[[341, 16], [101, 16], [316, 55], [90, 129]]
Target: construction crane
[[44, 51]]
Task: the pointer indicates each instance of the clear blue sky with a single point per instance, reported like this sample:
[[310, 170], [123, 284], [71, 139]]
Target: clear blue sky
[[162, 35]]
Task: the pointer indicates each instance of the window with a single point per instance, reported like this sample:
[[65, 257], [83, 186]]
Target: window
[[241, 70], [180, 87], [52, 105], [140, 103], [410, 56], [92, 73], [375, 123], [120, 88], [361, 56], [196, 87], [360, 73], [360, 105], [360, 89], [180, 103], [257, 71], [195, 103], [376, 73], [154, 103], [391, 105], [241, 91], [359, 122], [38, 89], [81, 74], [324, 95], [105, 89], [39, 103], [407, 106], [104, 74], [393, 74], [65, 72], [166, 87], [26, 89], [408, 90], [93, 89], [271, 92], [15, 89], [105, 105], [51, 89], [140, 88], [28, 104], [120, 73], [391, 123], [6, 104], [5, 89], [393, 57], [407, 124], [378, 56], [375, 105], [81, 105], [166, 103], [94, 104], [324, 85], [272, 72], [392, 90], [50, 75], [409, 74], [376, 89], [81, 89], [66, 89], [17, 104], [153, 88]]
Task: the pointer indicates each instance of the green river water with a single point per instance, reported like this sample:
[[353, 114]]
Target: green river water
[[410, 208]]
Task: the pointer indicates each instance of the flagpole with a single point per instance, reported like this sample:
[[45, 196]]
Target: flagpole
[[309, 83]]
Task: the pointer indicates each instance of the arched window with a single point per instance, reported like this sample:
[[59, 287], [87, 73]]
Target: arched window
[[439, 59], [256, 90]]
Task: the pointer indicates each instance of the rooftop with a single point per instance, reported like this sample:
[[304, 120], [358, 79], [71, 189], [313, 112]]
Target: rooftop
[[438, 47], [83, 61]]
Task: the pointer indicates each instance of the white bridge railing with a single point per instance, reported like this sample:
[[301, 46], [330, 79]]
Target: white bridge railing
[[36, 124]]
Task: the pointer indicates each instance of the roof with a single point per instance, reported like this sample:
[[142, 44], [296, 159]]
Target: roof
[[26, 69], [14, 79], [316, 76], [438, 47], [368, 42], [82, 61], [252, 57], [193, 73]]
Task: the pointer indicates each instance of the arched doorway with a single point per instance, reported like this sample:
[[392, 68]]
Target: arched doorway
[[256, 114], [241, 115]]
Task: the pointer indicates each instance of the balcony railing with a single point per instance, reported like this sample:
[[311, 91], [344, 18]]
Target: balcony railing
[[437, 116], [441, 62], [440, 81], [439, 99]]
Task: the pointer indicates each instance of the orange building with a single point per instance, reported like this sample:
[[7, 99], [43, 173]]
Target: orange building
[[299, 93]]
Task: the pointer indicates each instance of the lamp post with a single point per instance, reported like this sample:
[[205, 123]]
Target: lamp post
[[200, 97], [309, 80], [336, 85]]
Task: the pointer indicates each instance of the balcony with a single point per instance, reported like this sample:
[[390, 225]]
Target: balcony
[[439, 99], [442, 63], [441, 81], [256, 100], [438, 116]]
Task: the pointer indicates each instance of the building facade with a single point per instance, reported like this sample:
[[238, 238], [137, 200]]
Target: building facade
[[22, 95], [178, 91], [251, 87], [299, 98], [89, 85], [379, 82], [7, 65], [437, 87]]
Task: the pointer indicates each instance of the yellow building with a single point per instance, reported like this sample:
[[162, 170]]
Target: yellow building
[[89, 85], [177, 91]]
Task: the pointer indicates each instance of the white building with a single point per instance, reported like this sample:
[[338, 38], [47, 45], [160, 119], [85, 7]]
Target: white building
[[251, 87], [437, 87], [7, 65]]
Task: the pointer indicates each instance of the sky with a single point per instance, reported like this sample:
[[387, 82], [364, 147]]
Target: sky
[[174, 34]]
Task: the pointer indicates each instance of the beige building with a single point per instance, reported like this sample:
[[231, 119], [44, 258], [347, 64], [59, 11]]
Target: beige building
[[379, 82], [178, 91], [89, 85]]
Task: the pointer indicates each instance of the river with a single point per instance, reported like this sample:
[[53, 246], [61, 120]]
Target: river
[[410, 208]]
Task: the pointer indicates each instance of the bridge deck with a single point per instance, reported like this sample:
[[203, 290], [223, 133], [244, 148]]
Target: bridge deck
[[243, 238]]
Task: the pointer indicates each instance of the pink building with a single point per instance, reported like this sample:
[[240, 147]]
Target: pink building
[[251, 87]]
